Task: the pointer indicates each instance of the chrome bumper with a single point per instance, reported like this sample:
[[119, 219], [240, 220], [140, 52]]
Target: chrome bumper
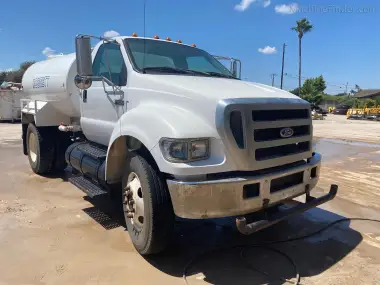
[[311, 202], [242, 195]]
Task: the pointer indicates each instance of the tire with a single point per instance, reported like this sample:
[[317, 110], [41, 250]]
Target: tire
[[152, 235], [41, 149], [62, 143]]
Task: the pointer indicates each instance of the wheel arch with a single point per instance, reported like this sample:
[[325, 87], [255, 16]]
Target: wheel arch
[[117, 156], [143, 127]]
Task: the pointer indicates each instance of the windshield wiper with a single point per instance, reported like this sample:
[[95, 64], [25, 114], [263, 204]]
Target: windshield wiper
[[213, 73], [167, 69]]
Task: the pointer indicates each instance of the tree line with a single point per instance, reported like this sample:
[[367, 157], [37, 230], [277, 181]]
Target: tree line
[[15, 75]]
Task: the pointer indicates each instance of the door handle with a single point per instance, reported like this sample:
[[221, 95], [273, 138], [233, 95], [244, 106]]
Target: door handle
[[84, 96]]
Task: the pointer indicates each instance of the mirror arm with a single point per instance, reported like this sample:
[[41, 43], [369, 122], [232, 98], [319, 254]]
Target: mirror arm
[[115, 88], [99, 38]]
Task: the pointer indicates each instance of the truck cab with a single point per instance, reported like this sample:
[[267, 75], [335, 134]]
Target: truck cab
[[172, 129]]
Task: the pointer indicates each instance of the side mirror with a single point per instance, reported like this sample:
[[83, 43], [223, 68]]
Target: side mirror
[[234, 68], [82, 82], [83, 56]]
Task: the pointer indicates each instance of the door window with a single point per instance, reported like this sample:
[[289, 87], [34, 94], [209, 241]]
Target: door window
[[109, 63]]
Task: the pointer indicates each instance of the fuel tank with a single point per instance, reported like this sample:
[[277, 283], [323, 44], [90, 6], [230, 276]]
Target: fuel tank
[[89, 160]]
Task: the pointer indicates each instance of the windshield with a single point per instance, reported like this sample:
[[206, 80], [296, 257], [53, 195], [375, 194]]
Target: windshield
[[168, 57]]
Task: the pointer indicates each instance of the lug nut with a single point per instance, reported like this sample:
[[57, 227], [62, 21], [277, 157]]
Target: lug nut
[[129, 215]]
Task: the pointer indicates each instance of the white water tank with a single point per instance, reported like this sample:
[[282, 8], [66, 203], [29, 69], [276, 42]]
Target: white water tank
[[52, 81]]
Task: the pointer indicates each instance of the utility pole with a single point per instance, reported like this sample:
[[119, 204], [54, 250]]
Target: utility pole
[[273, 75], [346, 88], [283, 63]]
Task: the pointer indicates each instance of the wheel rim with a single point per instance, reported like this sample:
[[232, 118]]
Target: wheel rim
[[32, 147], [133, 201]]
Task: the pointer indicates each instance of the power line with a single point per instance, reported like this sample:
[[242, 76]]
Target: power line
[[343, 85]]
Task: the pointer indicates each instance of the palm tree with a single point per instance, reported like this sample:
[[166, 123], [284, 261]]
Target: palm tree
[[303, 27]]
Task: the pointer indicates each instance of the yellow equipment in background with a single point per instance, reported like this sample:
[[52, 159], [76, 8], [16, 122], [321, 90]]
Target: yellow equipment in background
[[364, 113], [331, 109], [355, 113]]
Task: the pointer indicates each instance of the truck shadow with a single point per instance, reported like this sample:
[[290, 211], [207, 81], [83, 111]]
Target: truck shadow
[[210, 252]]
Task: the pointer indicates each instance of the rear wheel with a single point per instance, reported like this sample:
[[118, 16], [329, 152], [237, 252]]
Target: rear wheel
[[40, 149], [147, 206], [62, 142]]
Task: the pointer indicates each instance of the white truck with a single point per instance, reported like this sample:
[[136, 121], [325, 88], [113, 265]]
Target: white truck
[[172, 129]]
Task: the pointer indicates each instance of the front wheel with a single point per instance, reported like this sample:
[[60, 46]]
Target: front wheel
[[147, 206]]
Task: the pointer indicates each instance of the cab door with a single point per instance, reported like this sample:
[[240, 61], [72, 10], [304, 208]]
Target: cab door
[[104, 104]]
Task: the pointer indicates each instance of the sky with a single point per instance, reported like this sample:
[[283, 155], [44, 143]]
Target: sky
[[344, 45]]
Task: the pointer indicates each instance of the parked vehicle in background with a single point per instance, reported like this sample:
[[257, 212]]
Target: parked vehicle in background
[[318, 109], [173, 130], [10, 104], [340, 109]]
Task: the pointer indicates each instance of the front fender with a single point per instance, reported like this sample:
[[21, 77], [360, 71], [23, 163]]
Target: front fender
[[149, 123]]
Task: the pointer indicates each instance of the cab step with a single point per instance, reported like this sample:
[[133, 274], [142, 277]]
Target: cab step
[[87, 186], [94, 151]]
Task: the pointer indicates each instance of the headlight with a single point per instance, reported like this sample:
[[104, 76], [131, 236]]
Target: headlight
[[185, 150]]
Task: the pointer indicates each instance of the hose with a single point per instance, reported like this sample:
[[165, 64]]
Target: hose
[[264, 245]]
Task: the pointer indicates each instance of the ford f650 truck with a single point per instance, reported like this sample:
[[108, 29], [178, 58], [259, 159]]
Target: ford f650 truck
[[172, 129]]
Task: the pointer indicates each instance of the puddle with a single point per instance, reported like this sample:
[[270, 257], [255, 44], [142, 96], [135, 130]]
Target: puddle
[[346, 142], [332, 149]]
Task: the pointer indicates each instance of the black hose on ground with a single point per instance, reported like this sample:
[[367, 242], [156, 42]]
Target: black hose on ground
[[264, 246]]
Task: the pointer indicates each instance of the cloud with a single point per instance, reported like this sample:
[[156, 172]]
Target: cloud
[[111, 34], [286, 9], [244, 4], [266, 3], [268, 50], [48, 52]]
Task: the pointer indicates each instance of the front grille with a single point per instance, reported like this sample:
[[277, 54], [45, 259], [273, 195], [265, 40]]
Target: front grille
[[275, 115], [283, 150], [251, 128], [285, 182], [274, 133], [236, 125]]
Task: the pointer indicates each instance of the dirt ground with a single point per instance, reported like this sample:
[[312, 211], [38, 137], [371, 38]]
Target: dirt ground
[[338, 127], [51, 233]]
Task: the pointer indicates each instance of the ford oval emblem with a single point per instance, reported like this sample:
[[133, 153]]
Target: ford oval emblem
[[286, 132]]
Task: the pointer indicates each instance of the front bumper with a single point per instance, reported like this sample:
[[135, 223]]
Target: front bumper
[[311, 202], [242, 195]]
